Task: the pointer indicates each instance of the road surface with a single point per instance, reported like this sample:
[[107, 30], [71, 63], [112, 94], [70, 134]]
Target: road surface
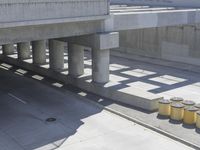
[[26, 104]]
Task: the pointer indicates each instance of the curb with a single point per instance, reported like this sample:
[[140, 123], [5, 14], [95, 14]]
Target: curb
[[162, 132], [167, 134]]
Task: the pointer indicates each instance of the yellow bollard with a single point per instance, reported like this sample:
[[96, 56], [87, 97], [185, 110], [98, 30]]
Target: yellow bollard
[[164, 107], [177, 111], [176, 99], [188, 103], [190, 115], [197, 106], [198, 120]]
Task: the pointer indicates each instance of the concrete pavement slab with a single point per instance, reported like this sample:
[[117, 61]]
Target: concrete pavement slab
[[78, 125]]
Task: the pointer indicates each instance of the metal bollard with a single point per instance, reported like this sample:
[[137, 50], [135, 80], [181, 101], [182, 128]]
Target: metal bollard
[[164, 107], [190, 115], [176, 99], [197, 106], [177, 111], [188, 103], [198, 120]]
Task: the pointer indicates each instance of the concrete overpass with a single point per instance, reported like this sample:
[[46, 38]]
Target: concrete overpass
[[80, 24], [37, 21], [54, 19], [61, 18], [166, 3], [139, 17]]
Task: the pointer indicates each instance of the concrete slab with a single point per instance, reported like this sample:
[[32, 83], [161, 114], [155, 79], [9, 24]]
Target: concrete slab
[[128, 141], [142, 79], [134, 82], [40, 14], [72, 18], [79, 124], [114, 89], [177, 129], [127, 18], [165, 81]]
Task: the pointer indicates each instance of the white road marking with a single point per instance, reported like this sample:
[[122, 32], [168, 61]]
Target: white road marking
[[18, 99]]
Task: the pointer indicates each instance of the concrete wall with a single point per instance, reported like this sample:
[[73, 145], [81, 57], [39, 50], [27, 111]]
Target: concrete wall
[[29, 10], [177, 43]]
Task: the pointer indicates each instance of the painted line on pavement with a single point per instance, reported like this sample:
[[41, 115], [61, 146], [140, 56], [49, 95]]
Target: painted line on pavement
[[18, 99]]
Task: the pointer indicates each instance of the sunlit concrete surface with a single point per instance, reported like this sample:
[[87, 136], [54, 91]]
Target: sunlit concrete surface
[[158, 80], [32, 20], [135, 82], [113, 89], [139, 17], [25, 104], [177, 3], [94, 24]]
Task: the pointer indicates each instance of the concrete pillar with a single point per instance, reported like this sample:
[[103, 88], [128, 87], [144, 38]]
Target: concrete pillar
[[39, 52], [75, 60], [56, 55], [100, 65], [23, 50], [8, 49]]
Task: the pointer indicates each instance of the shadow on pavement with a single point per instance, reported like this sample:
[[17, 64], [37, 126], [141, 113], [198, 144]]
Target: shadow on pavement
[[28, 109]]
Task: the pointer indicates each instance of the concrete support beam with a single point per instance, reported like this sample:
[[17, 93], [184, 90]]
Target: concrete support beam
[[8, 49], [56, 55], [75, 60], [39, 52], [39, 13], [23, 50], [100, 65], [99, 41], [101, 44]]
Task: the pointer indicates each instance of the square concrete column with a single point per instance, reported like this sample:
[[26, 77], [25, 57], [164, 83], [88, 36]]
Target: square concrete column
[[39, 52], [100, 65], [56, 55], [75, 60], [23, 50], [8, 49]]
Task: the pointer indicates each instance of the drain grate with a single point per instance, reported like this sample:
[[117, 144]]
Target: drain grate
[[50, 119]]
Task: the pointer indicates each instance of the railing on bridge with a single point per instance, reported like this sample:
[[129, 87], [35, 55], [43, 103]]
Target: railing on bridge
[[30, 10], [171, 3]]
